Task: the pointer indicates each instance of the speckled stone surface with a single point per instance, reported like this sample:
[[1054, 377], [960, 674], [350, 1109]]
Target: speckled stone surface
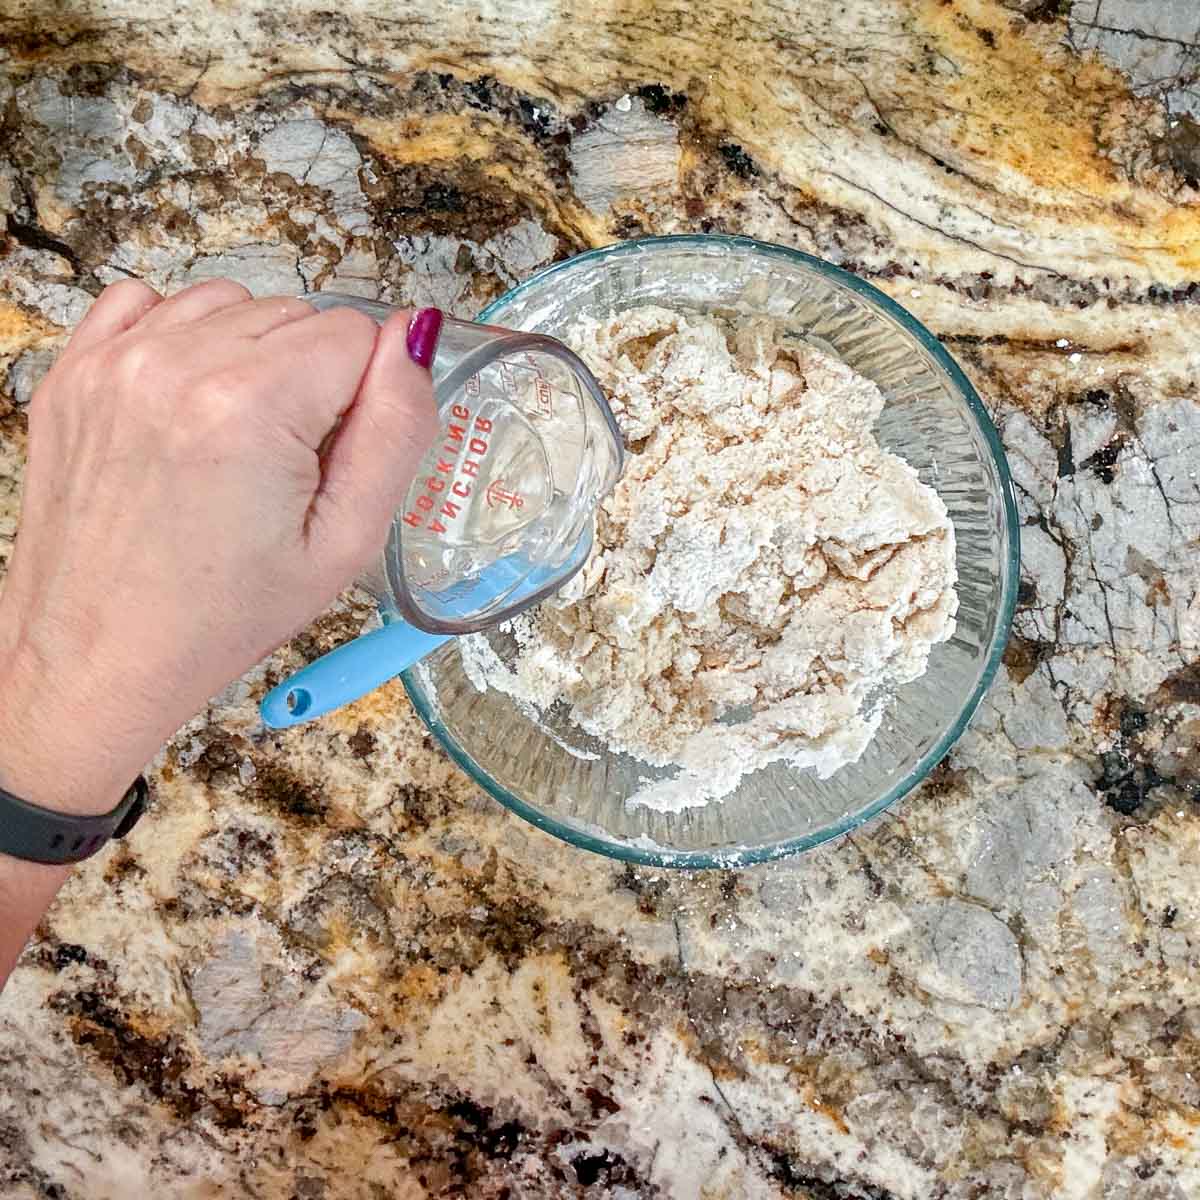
[[324, 967]]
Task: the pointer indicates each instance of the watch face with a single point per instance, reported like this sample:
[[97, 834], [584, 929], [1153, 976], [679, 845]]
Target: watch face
[[133, 815]]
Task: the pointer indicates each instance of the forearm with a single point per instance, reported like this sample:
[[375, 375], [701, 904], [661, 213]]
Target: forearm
[[26, 891], [54, 756]]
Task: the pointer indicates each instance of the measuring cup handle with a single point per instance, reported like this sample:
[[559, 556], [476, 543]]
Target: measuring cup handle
[[346, 673]]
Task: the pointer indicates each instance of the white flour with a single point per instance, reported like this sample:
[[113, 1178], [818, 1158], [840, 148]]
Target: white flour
[[761, 557]]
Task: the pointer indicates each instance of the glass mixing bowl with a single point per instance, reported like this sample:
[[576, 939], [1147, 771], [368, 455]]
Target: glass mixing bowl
[[569, 784]]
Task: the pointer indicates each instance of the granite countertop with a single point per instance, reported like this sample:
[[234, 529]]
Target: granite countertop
[[324, 966]]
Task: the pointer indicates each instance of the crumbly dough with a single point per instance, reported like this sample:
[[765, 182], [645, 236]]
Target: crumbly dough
[[762, 560]]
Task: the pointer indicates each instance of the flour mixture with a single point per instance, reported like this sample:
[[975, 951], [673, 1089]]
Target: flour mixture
[[763, 575]]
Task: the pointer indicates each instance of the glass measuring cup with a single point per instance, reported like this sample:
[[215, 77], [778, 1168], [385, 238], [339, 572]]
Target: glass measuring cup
[[498, 516]]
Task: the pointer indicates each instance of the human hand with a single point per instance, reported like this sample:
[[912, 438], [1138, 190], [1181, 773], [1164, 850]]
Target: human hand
[[190, 501]]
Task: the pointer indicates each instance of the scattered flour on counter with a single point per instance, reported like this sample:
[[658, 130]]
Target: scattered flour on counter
[[762, 560]]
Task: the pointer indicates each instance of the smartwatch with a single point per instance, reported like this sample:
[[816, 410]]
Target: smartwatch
[[43, 835]]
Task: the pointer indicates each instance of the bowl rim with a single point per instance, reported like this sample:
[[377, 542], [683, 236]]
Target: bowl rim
[[738, 856]]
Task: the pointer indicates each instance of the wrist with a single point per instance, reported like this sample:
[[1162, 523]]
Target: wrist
[[54, 753]]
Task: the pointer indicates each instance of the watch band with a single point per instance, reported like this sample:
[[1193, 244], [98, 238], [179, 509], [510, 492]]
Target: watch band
[[43, 835]]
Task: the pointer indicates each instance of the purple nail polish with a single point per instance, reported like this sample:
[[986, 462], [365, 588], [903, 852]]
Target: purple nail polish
[[423, 332]]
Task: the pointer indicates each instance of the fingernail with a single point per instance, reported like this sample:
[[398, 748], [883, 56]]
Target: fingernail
[[423, 332]]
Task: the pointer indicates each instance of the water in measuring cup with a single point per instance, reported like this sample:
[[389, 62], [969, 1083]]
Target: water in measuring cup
[[485, 489]]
